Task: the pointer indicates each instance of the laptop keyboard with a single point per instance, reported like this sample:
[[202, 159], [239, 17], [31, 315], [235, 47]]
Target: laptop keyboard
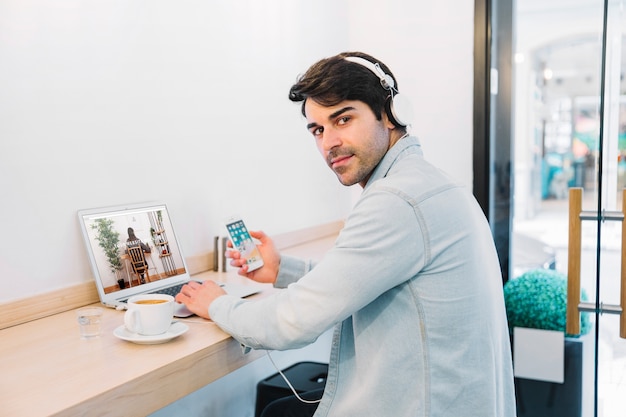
[[170, 290]]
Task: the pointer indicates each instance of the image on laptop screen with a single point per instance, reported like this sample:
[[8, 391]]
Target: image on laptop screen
[[132, 249]]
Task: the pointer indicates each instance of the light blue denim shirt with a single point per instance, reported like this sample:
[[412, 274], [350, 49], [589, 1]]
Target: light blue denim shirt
[[413, 288]]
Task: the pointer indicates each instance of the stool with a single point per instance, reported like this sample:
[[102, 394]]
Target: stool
[[304, 376]]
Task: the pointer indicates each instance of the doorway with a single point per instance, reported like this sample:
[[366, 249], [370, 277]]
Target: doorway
[[564, 66]]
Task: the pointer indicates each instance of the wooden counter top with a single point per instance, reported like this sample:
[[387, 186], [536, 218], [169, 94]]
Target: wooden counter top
[[47, 369]]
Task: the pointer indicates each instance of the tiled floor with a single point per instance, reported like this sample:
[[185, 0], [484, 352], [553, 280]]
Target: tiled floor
[[551, 226], [612, 378]]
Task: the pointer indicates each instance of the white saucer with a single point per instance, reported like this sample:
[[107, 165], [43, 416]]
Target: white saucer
[[175, 330]]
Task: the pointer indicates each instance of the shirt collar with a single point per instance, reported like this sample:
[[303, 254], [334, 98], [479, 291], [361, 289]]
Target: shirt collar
[[406, 146]]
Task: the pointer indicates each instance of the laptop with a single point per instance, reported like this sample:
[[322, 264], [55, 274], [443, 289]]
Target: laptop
[[133, 249]]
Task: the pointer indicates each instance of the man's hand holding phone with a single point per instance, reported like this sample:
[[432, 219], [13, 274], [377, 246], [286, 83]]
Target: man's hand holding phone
[[268, 252]]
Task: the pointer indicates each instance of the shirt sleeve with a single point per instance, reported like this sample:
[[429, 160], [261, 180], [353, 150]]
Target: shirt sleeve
[[291, 270], [381, 246]]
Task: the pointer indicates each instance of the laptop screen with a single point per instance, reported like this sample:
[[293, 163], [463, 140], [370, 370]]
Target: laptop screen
[[132, 249]]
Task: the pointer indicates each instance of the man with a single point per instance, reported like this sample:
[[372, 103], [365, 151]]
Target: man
[[412, 284], [140, 267]]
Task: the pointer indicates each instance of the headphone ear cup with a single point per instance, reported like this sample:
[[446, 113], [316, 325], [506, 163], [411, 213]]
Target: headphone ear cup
[[400, 110]]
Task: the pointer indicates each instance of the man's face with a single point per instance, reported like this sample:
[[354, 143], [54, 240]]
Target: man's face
[[350, 139]]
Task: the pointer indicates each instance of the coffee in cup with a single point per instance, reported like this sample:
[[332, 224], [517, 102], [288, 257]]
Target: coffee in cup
[[149, 314], [150, 301]]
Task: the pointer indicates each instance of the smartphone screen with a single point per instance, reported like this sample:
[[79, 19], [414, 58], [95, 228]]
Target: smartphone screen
[[242, 241]]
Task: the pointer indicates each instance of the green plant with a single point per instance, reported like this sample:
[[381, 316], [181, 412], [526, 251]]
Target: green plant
[[538, 299], [108, 239]]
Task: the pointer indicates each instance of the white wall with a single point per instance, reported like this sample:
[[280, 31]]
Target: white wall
[[190, 97], [117, 101], [429, 46]]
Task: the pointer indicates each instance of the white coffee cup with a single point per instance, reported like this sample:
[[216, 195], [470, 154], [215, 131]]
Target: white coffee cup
[[149, 314]]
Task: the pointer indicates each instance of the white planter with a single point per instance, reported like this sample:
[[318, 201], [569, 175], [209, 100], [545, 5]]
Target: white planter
[[539, 354]]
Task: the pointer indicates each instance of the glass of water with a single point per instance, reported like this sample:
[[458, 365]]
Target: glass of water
[[89, 319]]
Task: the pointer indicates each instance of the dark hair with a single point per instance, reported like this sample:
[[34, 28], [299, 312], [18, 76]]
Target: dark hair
[[333, 80]]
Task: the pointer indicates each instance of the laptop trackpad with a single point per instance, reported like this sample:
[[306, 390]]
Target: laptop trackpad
[[181, 310]]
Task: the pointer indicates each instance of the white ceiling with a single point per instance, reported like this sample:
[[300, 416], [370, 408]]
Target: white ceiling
[[566, 37]]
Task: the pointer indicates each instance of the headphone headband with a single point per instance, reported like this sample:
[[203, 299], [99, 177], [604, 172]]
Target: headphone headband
[[399, 108], [386, 80]]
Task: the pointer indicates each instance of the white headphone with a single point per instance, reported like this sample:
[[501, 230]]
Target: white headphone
[[400, 108]]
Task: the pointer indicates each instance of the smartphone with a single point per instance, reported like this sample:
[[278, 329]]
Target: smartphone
[[242, 241]]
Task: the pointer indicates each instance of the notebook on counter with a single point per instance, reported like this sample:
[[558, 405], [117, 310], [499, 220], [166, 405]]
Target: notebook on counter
[[133, 250]]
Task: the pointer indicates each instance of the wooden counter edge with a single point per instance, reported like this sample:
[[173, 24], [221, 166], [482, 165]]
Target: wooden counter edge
[[38, 306], [169, 383]]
